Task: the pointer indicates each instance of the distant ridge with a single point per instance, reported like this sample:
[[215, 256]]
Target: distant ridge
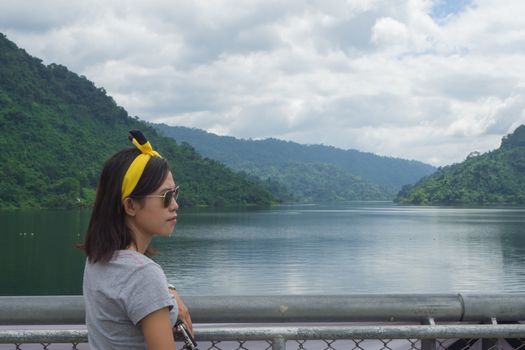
[[496, 177], [334, 174], [57, 129]]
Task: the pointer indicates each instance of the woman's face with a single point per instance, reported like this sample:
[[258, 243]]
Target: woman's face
[[153, 218]]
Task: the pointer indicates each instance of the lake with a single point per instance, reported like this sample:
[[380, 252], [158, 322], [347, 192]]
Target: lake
[[358, 247]]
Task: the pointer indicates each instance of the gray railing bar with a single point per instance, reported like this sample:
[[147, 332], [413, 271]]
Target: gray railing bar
[[503, 307], [487, 343], [43, 336], [332, 308], [363, 332], [264, 309], [428, 344], [64, 309], [278, 343], [295, 333]]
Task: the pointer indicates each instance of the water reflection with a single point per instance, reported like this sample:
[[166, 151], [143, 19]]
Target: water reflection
[[353, 248], [381, 248]]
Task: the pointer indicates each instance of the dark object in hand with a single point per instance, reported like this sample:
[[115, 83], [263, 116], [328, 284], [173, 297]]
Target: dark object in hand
[[182, 332]]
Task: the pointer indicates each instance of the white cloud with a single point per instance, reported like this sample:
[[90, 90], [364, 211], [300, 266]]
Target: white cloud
[[374, 75], [389, 32]]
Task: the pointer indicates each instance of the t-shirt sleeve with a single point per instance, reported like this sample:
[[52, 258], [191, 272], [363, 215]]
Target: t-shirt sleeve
[[146, 291], [174, 313]]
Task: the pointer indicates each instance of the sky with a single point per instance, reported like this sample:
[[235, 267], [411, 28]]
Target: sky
[[430, 80]]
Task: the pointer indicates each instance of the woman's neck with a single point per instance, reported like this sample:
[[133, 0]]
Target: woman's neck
[[140, 242], [134, 248]]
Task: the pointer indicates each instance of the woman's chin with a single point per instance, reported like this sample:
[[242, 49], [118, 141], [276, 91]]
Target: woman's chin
[[167, 233]]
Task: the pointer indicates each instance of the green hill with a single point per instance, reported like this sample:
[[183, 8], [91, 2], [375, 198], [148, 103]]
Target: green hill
[[57, 128], [311, 173], [319, 183], [496, 177]]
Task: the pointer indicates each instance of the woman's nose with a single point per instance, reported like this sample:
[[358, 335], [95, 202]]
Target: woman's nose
[[174, 205]]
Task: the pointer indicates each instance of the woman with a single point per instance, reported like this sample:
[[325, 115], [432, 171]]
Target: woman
[[128, 302]]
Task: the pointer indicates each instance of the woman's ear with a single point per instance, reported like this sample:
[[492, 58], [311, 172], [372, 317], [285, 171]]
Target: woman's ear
[[130, 206]]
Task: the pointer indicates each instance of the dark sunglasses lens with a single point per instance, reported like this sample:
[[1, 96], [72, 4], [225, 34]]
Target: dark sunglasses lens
[[171, 194]]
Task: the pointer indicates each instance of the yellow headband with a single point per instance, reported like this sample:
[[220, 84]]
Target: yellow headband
[[136, 168]]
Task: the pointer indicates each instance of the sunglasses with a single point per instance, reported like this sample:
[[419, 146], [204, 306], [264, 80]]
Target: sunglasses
[[168, 196]]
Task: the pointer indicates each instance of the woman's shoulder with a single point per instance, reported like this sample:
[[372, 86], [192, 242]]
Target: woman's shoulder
[[133, 261], [125, 268], [131, 257], [123, 262]]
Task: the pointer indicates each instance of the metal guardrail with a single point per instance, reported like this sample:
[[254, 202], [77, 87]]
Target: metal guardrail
[[417, 337], [450, 311], [15, 310]]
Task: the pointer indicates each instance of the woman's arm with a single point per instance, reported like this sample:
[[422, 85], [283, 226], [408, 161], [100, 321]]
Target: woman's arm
[[184, 314], [157, 330]]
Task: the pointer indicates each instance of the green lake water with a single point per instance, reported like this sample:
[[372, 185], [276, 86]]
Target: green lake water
[[361, 247]]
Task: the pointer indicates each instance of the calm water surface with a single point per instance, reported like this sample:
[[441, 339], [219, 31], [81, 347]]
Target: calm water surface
[[375, 247]]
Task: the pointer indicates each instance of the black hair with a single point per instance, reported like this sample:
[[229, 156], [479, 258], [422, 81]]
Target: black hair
[[107, 230]]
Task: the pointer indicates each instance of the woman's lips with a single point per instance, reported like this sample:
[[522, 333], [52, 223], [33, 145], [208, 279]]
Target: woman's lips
[[173, 220]]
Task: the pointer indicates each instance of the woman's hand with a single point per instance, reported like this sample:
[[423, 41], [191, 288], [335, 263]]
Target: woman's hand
[[184, 314]]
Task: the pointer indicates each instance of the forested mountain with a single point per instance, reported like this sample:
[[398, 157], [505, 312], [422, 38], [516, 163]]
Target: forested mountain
[[57, 129], [496, 177], [309, 172]]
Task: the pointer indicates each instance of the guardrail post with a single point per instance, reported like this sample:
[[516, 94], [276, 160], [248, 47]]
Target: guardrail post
[[490, 343], [279, 343], [428, 344]]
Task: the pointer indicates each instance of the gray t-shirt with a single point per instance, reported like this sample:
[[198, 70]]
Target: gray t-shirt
[[119, 294]]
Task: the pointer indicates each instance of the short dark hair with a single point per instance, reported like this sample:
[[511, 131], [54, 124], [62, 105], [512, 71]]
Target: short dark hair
[[107, 230]]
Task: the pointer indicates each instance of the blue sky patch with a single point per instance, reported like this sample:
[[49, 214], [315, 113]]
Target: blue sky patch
[[445, 8]]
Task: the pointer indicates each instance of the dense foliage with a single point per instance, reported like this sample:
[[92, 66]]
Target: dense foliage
[[497, 177], [57, 129], [318, 182], [310, 172]]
